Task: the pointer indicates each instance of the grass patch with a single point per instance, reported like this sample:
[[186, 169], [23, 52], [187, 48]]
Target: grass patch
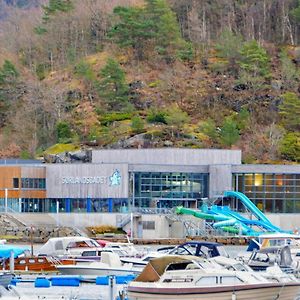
[[60, 148]]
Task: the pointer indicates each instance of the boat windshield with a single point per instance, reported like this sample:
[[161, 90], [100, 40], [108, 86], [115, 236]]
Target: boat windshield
[[222, 251], [84, 243]]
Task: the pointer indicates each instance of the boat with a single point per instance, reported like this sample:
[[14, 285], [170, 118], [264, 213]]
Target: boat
[[69, 246], [5, 278], [194, 278], [269, 256], [110, 264], [276, 239], [24, 261], [125, 249], [195, 248]]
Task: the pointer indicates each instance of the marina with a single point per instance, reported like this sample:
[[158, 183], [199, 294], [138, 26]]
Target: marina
[[52, 285]]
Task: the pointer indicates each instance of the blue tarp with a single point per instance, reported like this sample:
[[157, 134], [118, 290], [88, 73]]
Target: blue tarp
[[5, 251]]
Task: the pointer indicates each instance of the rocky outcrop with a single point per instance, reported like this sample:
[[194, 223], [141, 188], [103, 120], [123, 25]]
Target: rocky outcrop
[[12, 230]]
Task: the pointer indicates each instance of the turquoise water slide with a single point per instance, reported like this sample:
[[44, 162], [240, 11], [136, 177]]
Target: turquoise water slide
[[249, 204], [226, 219]]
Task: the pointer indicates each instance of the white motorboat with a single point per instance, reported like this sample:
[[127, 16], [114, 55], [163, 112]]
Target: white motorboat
[[110, 264], [69, 246], [192, 278], [195, 248]]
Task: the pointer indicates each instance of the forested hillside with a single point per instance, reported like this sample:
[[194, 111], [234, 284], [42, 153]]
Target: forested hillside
[[150, 73]]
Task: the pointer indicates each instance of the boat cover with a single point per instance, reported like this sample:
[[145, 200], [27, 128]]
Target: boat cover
[[5, 251]]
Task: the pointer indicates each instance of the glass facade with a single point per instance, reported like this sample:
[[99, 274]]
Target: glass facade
[[167, 190], [40, 205], [33, 183], [276, 193]]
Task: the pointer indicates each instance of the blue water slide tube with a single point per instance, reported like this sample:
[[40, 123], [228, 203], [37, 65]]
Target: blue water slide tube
[[235, 223], [249, 204], [225, 210], [228, 222]]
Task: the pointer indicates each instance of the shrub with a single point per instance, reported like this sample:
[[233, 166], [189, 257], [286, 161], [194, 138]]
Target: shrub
[[137, 124], [101, 229], [156, 116], [115, 116]]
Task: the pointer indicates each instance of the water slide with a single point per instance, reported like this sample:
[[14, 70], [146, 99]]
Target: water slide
[[227, 220]]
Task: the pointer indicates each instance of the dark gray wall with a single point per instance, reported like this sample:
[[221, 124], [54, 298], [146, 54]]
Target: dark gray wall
[[86, 180]]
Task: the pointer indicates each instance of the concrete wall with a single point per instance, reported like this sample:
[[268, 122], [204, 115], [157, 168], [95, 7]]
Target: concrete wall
[[219, 179], [280, 169], [163, 227], [168, 156], [86, 181]]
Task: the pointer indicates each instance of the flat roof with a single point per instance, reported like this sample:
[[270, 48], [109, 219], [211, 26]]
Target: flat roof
[[12, 161]]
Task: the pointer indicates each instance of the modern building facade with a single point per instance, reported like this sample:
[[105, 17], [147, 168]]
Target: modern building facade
[[126, 179]]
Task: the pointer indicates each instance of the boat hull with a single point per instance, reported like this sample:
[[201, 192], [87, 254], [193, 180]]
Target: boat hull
[[287, 292], [5, 279], [38, 264], [81, 270]]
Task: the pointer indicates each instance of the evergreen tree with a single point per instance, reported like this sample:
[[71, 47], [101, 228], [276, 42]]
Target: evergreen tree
[[289, 110], [8, 72], [113, 87], [229, 45], [8, 82], [296, 12], [55, 6], [154, 26], [290, 146], [229, 134], [242, 119], [254, 59], [132, 30], [166, 28]]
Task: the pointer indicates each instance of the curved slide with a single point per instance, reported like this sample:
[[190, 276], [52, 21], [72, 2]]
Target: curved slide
[[230, 221], [249, 204]]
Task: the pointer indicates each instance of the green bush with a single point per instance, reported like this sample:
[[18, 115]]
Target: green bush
[[63, 132], [41, 71], [137, 124], [229, 133], [186, 53], [115, 116], [156, 116], [290, 146], [83, 69]]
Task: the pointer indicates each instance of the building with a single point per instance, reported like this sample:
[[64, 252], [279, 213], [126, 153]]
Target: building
[[129, 179]]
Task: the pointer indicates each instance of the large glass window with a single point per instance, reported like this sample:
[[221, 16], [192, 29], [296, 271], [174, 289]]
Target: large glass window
[[33, 183], [277, 193], [166, 190]]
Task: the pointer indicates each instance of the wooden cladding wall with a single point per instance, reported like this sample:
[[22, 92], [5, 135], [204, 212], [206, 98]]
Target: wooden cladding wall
[[7, 174], [36, 172], [33, 194], [10, 194]]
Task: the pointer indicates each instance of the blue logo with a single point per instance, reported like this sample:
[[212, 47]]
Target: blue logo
[[115, 178]]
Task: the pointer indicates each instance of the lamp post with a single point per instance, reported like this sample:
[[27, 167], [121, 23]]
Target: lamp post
[[57, 213], [6, 196]]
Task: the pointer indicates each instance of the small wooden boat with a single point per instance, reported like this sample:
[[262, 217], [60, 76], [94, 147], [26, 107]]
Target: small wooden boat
[[38, 263], [23, 261]]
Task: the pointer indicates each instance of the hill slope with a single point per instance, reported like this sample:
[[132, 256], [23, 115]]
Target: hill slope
[[129, 73]]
